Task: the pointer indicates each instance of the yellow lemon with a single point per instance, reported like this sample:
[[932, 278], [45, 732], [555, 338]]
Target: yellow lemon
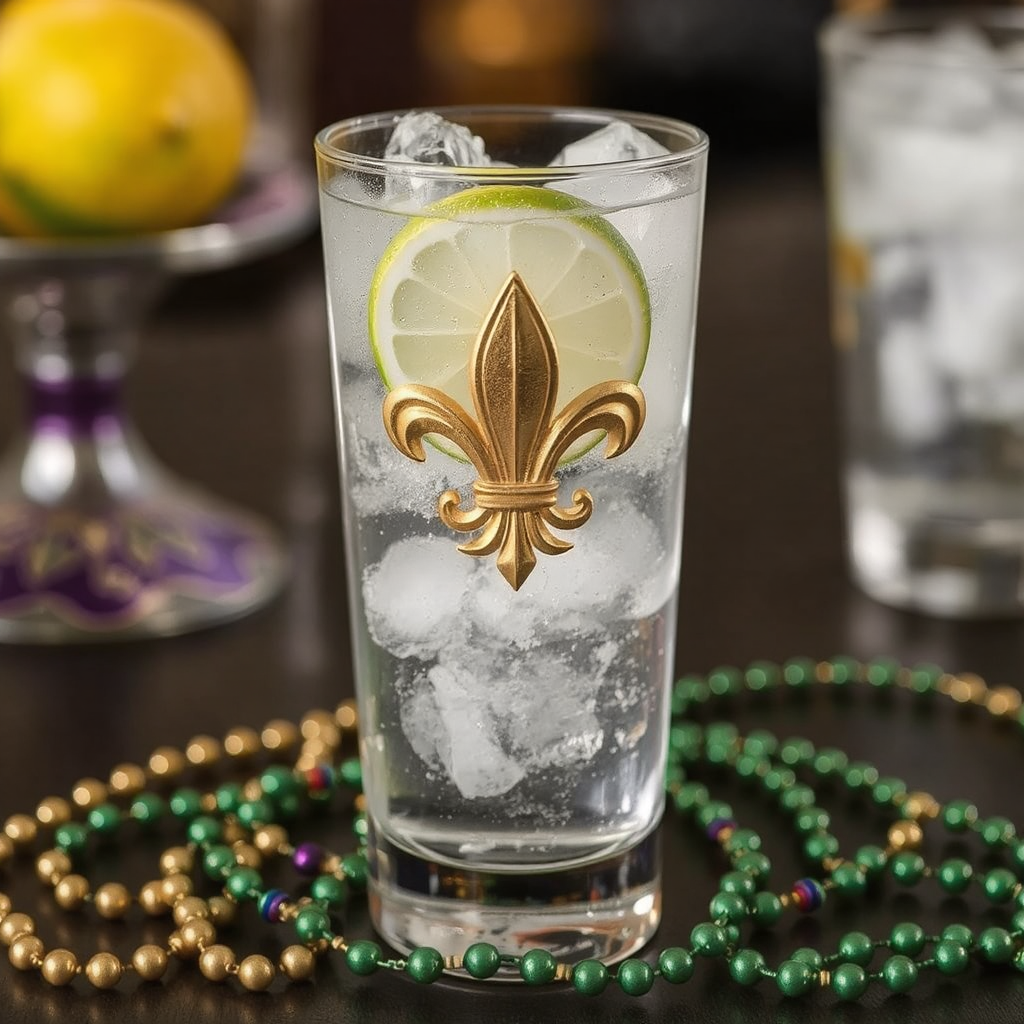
[[116, 116]]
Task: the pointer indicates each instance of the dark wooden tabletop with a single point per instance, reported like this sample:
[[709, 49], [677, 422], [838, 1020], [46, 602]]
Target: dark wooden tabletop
[[232, 390]]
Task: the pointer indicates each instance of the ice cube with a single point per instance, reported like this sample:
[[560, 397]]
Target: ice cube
[[424, 137], [476, 762], [616, 141], [414, 594], [913, 394]]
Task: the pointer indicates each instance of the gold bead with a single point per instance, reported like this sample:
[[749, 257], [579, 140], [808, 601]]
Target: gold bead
[[346, 716], [167, 762], [59, 966], [5, 905], [14, 925], [88, 793], [306, 762], [331, 864], [216, 963], [197, 934], [189, 908], [112, 901], [279, 734], [359, 803], [905, 835], [26, 951], [150, 962], [920, 804], [256, 973], [247, 856], [71, 891], [233, 833], [174, 887], [21, 829], [318, 748], [242, 742], [269, 839], [297, 963], [252, 790], [315, 722], [176, 860], [53, 811], [966, 688], [1004, 701], [151, 898], [104, 970], [203, 751], [222, 911], [52, 866], [6, 848], [127, 779]]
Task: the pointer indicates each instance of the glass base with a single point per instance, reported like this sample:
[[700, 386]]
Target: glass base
[[605, 910], [156, 568]]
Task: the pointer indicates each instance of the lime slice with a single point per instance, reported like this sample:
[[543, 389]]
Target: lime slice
[[439, 277]]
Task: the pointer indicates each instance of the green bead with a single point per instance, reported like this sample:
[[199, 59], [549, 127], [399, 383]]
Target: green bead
[[332, 891], [105, 819], [727, 907], [850, 880], [732, 934], [725, 680], [887, 790], [186, 803], [351, 772], [749, 766], [996, 832], [809, 956], [278, 781], [361, 826], [255, 812], [829, 761], [778, 779], [218, 862], [746, 967], [538, 967], [795, 978], [148, 808], [959, 815], [767, 909], [907, 867], [899, 973], [856, 948], [424, 964], [363, 957], [923, 678], [996, 945], [243, 884], [761, 743], [312, 923], [873, 859], [845, 670], [1017, 854], [482, 960], [761, 674], [882, 673], [755, 864], [635, 977], [849, 981], [959, 933], [955, 875], [711, 810], [355, 869], [691, 796], [796, 751], [675, 965], [796, 797], [289, 805], [743, 839], [708, 939], [907, 938], [821, 845], [738, 883], [71, 838], [951, 957], [590, 977], [811, 819], [228, 797], [799, 671], [860, 775], [204, 829], [999, 884]]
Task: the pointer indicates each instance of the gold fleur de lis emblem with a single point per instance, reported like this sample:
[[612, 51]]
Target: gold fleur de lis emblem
[[516, 440]]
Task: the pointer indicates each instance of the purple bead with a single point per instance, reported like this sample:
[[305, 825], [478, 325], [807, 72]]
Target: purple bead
[[270, 904], [718, 825], [808, 895], [307, 858]]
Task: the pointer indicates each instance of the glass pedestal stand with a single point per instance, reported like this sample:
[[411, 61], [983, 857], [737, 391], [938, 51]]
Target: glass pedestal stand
[[97, 540]]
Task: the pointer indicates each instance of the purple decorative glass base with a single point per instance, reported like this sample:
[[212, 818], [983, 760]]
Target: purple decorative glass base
[[97, 540]]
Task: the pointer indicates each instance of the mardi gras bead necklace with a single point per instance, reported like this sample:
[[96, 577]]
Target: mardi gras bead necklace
[[234, 831]]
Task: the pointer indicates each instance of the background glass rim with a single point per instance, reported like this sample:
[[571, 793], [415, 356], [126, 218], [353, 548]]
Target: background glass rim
[[327, 150], [856, 35]]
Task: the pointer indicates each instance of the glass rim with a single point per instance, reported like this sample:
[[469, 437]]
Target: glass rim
[[599, 116], [855, 35]]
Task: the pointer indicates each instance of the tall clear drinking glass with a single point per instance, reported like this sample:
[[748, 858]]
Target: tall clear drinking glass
[[512, 323]]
